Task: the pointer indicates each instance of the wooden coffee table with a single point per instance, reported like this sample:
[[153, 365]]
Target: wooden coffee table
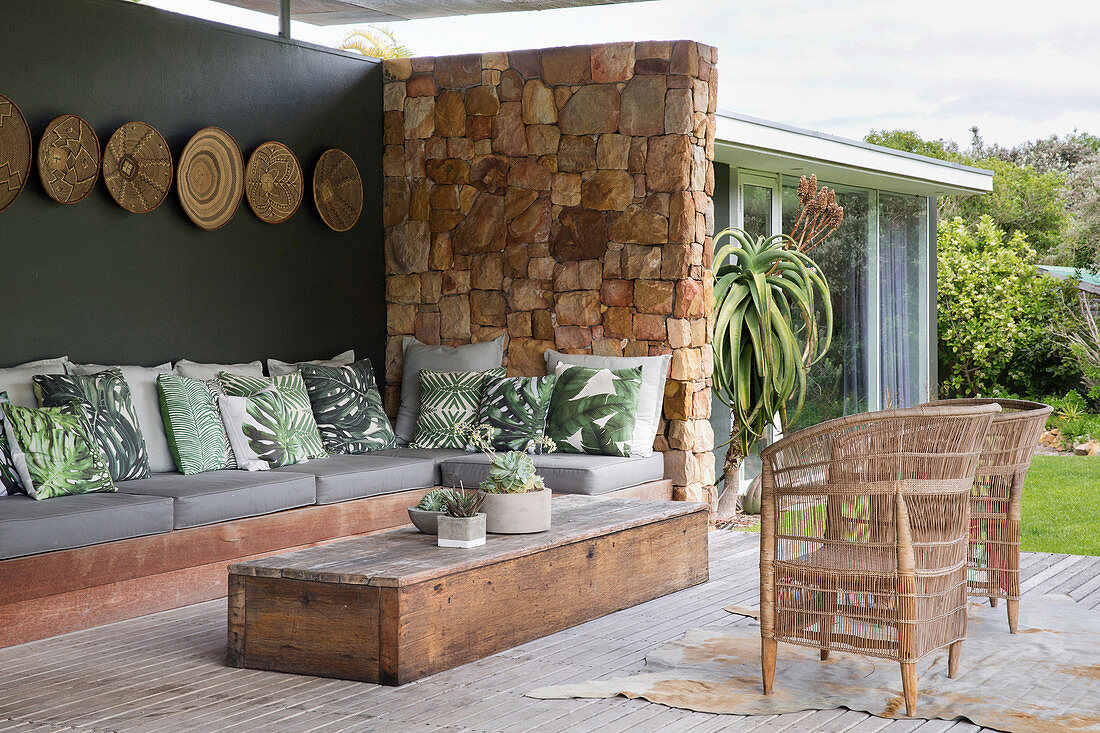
[[393, 607]]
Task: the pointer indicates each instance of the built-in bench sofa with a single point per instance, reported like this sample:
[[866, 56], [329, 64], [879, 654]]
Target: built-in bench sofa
[[73, 562]]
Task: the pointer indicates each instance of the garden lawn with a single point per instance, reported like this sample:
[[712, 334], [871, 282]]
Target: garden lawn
[[1061, 505]]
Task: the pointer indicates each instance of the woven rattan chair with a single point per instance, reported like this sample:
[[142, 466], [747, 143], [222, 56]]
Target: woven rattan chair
[[994, 559], [864, 525]]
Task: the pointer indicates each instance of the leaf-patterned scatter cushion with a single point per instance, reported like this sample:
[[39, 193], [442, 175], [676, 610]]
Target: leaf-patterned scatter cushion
[[193, 424], [515, 408], [448, 400], [347, 407], [9, 477], [57, 455], [113, 419], [261, 430], [593, 410], [293, 391]]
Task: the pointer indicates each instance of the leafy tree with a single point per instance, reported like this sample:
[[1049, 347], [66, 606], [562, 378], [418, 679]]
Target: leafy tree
[[992, 303], [911, 142]]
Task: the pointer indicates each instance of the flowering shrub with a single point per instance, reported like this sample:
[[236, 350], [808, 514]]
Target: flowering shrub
[[991, 303]]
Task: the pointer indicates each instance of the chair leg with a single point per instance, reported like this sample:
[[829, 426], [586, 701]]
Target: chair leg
[[768, 648], [909, 687], [992, 601], [953, 653], [824, 655], [1013, 614]]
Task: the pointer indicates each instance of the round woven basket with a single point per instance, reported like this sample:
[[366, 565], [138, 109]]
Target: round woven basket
[[337, 190], [68, 159], [273, 183], [137, 167], [210, 180], [15, 152]]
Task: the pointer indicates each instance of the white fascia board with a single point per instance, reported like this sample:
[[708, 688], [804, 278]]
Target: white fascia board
[[752, 143]]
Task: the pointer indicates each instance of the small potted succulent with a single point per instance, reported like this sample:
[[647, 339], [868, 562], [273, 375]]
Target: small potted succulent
[[432, 505], [516, 499], [462, 525]]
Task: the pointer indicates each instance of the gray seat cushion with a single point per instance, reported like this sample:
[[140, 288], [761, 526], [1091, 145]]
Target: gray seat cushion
[[28, 526], [340, 478], [565, 473], [218, 496]]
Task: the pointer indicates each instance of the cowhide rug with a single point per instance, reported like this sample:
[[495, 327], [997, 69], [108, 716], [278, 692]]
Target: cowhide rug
[[1045, 678]]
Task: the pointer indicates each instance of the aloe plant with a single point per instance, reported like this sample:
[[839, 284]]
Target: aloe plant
[[767, 333], [435, 500], [463, 504]]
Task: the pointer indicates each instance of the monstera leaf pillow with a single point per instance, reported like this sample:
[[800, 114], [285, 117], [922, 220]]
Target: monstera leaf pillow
[[114, 421], [193, 424], [593, 410], [54, 451], [263, 430], [448, 401], [9, 477], [293, 391], [347, 407], [516, 408]]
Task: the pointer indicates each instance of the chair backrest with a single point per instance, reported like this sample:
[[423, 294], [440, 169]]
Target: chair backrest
[[1013, 435]]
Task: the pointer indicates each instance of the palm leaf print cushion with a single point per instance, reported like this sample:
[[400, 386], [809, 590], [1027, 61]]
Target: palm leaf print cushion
[[9, 477], [593, 410], [193, 424], [57, 454], [347, 407], [516, 408], [113, 419], [263, 430], [449, 400], [293, 391]]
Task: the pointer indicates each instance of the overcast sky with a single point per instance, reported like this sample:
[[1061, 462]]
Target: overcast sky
[[1018, 70]]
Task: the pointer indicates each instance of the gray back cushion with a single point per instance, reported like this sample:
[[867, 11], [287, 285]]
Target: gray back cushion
[[205, 372], [469, 358], [276, 368], [143, 390], [17, 380]]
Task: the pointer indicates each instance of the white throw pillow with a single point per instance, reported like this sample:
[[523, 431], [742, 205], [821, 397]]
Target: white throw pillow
[[17, 380], [197, 370], [276, 368], [651, 399], [143, 391], [480, 357], [235, 418]]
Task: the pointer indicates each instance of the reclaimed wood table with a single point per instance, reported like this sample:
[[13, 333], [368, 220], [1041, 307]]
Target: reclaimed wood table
[[393, 607]]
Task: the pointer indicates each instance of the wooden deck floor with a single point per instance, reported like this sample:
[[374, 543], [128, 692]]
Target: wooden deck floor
[[165, 672]]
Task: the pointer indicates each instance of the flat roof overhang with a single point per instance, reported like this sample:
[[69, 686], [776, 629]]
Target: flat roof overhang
[[341, 12], [756, 144]]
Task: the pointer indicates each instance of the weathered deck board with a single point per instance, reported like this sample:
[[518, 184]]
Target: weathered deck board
[[165, 673]]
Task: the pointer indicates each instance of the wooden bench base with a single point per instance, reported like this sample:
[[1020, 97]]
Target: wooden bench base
[[68, 590]]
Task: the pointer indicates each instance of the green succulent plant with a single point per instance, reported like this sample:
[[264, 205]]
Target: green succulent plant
[[512, 473], [435, 500], [463, 503]]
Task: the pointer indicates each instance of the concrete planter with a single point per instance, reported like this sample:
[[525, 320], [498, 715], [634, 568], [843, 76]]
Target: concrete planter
[[517, 513], [461, 531], [425, 520]]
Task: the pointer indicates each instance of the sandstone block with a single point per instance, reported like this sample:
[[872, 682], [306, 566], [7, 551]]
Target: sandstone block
[[591, 274], [617, 293], [395, 200], [490, 175], [613, 152], [690, 299], [538, 104], [636, 161], [519, 324], [393, 131], [448, 170], [509, 135], [482, 101], [458, 71], [396, 69], [668, 164], [680, 467], [516, 257], [541, 268], [483, 229], [641, 262], [419, 117], [639, 225], [567, 65], [403, 289], [400, 319], [444, 197], [649, 326], [607, 191], [393, 97], [456, 282], [527, 295], [684, 59], [407, 247], [579, 234], [511, 85], [529, 174], [393, 161], [607, 347], [654, 50], [525, 356], [643, 106], [577, 153], [426, 329], [618, 323], [487, 272], [678, 112], [440, 257], [543, 139], [687, 364], [653, 296], [612, 62], [533, 225], [567, 276], [516, 201], [572, 337], [676, 261], [431, 286], [542, 324], [479, 129], [591, 110], [443, 221], [681, 217], [650, 67], [421, 85], [454, 317], [487, 308], [422, 63], [566, 189], [578, 308]]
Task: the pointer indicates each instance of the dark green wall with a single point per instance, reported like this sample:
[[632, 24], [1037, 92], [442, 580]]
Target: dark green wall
[[102, 285]]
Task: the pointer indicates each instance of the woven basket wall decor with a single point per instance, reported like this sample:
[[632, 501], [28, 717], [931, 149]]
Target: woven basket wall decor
[[337, 190], [273, 183], [68, 159], [210, 181], [15, 152], [137, 167]]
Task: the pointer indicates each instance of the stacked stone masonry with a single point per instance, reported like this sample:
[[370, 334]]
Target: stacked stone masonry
[[560, 197]]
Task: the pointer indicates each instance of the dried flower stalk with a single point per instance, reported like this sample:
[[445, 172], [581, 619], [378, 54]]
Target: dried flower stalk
[[818, 215]]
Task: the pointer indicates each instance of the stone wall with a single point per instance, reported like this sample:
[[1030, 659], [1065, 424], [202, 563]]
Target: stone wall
[[562, 197]]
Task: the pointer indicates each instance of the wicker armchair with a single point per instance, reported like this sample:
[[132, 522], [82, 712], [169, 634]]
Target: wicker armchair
[[864, 526], [994, 559]]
